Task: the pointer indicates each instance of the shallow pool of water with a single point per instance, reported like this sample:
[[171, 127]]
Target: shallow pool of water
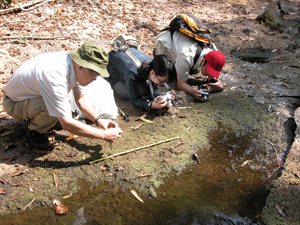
[[229, 186]]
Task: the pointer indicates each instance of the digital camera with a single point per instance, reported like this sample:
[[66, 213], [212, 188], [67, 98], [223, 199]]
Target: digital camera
[[205, 95], [167, 97]]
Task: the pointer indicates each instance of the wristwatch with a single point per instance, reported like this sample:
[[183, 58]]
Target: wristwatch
[[98, 118]]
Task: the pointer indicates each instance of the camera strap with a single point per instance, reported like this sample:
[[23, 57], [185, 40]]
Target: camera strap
[[151, 87]]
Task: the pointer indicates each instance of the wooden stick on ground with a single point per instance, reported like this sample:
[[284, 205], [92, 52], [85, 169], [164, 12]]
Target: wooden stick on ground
[[279, 167], [36, 37], [132, 150], [28, 204], [24, 21], [24, 7]]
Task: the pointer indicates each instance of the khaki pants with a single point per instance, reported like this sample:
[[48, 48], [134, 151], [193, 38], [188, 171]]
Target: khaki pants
[[34, 110]]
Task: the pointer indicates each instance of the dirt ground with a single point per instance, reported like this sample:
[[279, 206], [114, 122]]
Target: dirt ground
[[262, 65]]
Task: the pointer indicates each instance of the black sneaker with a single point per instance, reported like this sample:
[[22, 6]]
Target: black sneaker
[[38, 140]]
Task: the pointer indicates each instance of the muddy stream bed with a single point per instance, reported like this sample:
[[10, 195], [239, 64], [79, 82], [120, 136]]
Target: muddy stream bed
[[229, 185]]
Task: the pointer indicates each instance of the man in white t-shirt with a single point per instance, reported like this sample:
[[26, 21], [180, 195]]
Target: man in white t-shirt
[[183, 50], [38, 92]]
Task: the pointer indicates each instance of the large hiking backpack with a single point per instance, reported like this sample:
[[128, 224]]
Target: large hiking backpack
[[190, 26]]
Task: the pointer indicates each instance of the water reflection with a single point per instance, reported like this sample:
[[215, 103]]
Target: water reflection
[[222, 189]]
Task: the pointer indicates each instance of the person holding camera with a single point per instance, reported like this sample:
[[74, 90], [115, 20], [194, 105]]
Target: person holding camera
[[140, 84], [38, 92], [183, 49]]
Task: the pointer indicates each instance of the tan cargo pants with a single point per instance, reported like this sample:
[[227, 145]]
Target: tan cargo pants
[[34, 110]]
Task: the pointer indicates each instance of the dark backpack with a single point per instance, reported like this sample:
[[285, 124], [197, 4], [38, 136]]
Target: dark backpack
[[190, 26]]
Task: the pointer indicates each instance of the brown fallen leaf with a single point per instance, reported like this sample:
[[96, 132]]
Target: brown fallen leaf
[[6, 133], [197, 158], [119, 168], [288, 86], [294, 183], [15, 185], [2, 181], [20, 143], [179, 143], [135, 194], [181, 116], [296, 174], [103, 168], [260, 222], [267, 101], [144, 175], [55, 179], [246, 162], [68, 196], [279, 161], [8, 145], [280, 210], [290, 105], [2, 191], [6, 158], [138, 126], [60, 209], [17, 174], [73, 154]]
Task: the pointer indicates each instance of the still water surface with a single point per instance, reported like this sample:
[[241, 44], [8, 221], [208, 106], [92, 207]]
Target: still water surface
[[222, 189]]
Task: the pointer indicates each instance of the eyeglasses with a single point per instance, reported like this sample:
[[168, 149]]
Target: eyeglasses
[[159, 80]]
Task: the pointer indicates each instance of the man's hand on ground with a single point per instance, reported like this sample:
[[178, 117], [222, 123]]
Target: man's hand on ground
[[112, 134], [106, 124]]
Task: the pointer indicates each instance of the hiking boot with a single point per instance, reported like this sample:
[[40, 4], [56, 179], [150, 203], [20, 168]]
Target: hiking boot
[[57, 126], [38, 140]]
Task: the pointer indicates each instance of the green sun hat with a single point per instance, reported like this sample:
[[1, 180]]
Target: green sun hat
[[92, 56]]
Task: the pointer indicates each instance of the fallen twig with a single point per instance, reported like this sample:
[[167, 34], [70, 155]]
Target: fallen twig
[[28, 204], [68, 196], [12, 22], [138, 126], [273, 145], [36, 37], [55, 180], [132, 150], [279, 167], [24, 7]]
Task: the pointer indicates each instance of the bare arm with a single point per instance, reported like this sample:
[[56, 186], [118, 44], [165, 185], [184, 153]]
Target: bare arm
[[81, 129]]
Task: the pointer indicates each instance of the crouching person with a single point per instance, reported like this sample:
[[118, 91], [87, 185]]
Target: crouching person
[[140, 85], [38, 92]]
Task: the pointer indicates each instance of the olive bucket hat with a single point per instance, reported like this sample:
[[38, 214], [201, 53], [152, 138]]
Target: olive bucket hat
[[92, 56]]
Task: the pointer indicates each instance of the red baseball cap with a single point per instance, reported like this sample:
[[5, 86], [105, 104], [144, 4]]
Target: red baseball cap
[[215, 62]]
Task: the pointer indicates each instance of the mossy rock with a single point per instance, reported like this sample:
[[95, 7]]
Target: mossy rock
[[272, 19]]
